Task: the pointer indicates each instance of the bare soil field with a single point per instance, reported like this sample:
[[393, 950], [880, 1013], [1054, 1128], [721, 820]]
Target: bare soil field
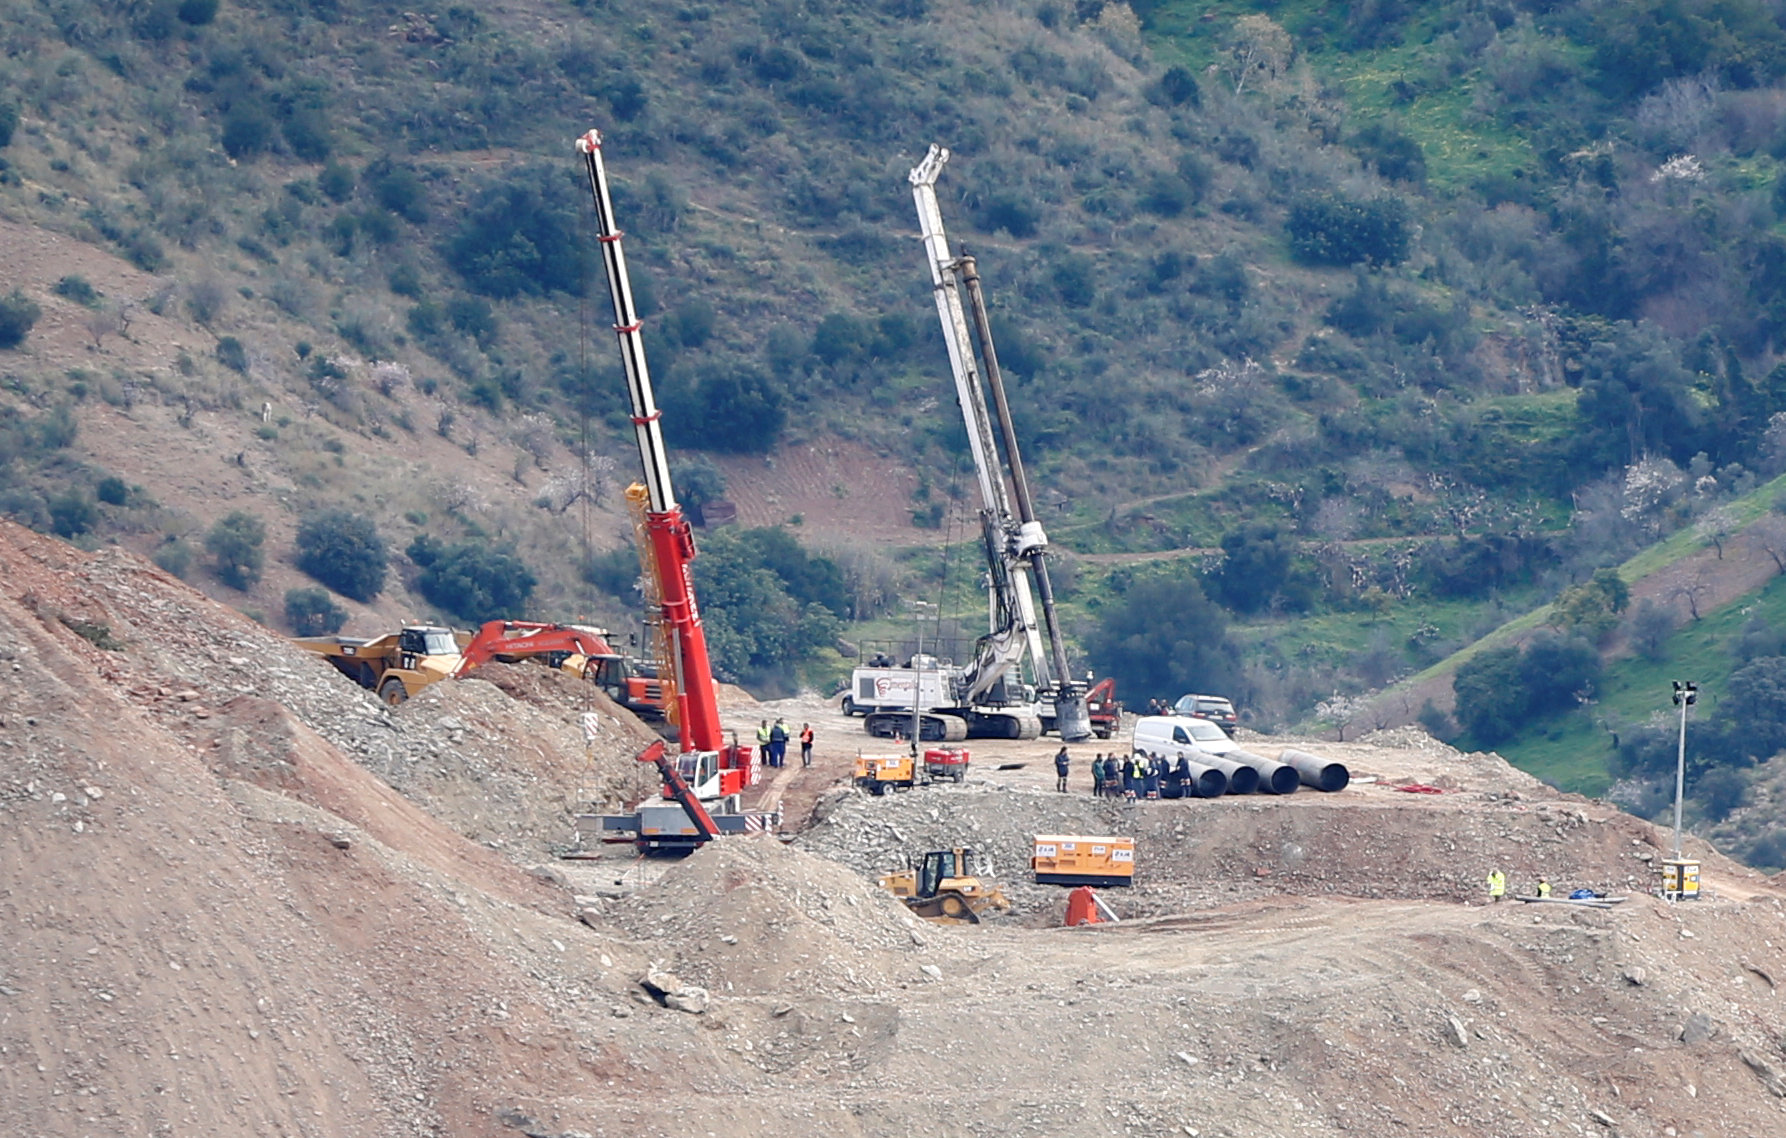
[[243, 897], [841, 491]]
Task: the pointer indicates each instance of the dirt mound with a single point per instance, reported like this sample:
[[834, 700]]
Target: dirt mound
[[241, 932], [508, 770], [1369, 841], [754, 916]]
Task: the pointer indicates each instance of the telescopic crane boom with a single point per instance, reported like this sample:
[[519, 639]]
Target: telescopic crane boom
[[1015, 544], [718, 770], [671, 541]]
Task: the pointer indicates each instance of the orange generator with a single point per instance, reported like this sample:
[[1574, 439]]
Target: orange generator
[[1074, 860]]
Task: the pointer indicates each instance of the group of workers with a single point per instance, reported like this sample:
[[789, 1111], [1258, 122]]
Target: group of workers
[[1497, 887], [1140, 775], [772, 743]]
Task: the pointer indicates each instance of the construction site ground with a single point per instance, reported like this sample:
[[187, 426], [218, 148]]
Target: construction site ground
[[241, 896]]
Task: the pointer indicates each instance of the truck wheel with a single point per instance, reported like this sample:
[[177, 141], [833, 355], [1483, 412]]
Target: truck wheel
[[393, 692], [849, 706]]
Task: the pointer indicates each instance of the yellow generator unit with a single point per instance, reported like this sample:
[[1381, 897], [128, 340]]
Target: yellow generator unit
[[1680, 879], [1074, 860], [875, 773]]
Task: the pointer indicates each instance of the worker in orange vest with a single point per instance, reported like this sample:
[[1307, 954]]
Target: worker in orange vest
[[806, 744]]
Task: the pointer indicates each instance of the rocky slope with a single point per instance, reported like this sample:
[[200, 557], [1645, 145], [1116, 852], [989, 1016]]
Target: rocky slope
[[243, 897]]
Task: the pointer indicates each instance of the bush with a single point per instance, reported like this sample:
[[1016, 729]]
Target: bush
[[112, 491], [336, 180], [1396, 156], [1177, 88], [231, 354], [520, 237], [472, 582], [18, 313], [198, 13], [398, 189], [235, 544], [312, 612], [72, 513], [9, 122], [1330, 229], [77, 289], [473, 316], [175, 556], [247, 126], [344, 551], [732, 409]]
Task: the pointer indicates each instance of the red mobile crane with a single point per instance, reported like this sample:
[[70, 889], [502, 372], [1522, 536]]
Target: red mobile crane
[[713, 770]]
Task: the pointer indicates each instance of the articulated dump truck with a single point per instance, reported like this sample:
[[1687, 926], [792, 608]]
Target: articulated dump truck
[[402, 663]]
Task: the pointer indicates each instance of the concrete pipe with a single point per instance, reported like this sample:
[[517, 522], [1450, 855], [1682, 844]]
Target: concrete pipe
[[1241, 779], [1322, 774], [1274, 777], [1206, 782], [1199, 781]]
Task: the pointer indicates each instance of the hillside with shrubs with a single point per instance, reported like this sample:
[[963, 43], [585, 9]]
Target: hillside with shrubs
[[1347, 331]]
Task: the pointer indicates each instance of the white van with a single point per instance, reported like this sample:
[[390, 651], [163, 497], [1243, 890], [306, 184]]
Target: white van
[[1167, 735]]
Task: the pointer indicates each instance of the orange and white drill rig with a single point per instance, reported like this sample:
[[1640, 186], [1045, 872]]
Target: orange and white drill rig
[[704, 784]]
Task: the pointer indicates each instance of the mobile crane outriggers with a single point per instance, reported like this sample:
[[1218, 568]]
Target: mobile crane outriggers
[[704, 784], [1015, 545]]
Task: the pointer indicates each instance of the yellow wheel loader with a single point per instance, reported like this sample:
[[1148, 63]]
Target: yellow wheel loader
[[944, 889]]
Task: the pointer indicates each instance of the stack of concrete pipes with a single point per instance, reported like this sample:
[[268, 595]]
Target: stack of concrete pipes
[[1242, 772]]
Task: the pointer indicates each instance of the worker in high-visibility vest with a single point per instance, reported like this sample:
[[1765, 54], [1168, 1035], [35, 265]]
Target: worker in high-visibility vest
[[1497, 885], [1544, 887]]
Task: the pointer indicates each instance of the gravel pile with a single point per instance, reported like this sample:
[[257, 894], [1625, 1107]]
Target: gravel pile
[[501, 756], [752, 916]]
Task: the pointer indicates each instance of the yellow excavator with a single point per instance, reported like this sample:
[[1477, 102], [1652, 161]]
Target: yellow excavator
[[944, 889]]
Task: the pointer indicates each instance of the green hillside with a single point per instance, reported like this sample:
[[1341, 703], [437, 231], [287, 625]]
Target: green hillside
[[1381, 323]]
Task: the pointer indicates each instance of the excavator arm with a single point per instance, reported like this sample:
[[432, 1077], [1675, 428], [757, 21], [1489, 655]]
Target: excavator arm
[[498, 638]]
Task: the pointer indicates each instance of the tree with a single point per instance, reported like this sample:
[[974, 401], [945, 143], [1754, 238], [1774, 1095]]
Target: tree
[[1720, 790], [808, 579], [698, 482], [1332, 229], [235, 545], [311, 612], [1650, 625], [1558, 672], [1256, 567], [1593, 607], [1257, 49], [472, 582], [344, 551], [1754, 705], [9, 122], [520, 237], [755, 626], [18, 313], [1162, 637], [737, 410], [1491, 694]]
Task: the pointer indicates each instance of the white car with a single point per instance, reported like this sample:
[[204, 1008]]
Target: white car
[[1164, 733]]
